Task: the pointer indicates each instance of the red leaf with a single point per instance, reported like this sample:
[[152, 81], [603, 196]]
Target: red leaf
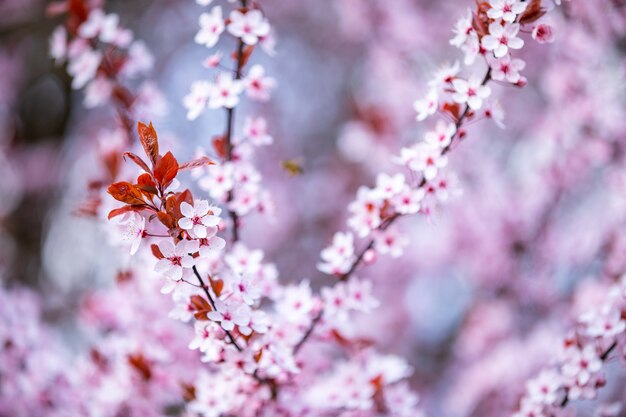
[[136, 159], [167, 220], [166, 170], [219, 144], [532, 12], [202, 161], [141, 365], [146, 184], [156, 251], [218, 286], [126, 193], [126, 209], [149, 141]]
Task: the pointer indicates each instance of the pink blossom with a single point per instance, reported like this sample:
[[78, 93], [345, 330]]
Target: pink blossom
[[543, 33], [211, 27], [501, 38], [427, 106], [83, 67], [225, 92], [506, 68], [472, 92], [249, 26], [442, 135], [198, 218], [255, 130], [230, 314], [258, 86], [507, 10], [196, 101], [176, 258]]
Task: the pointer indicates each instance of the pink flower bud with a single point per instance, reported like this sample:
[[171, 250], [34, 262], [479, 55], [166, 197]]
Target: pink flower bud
[[543, 33]]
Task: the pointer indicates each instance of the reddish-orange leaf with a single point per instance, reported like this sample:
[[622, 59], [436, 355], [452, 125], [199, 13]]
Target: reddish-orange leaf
[[219, 144], [136, 159], [218, 286], [126, 193], [532, 13], [167, 220], [189, 391], [149, 141], [200, 306], [202, 161], [156, 251], [125, 209], [141, 365], [146, 184], [453, 109], [166, 170]]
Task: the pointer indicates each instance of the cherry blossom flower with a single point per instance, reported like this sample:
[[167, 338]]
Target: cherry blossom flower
[[581, 365], [255, 130], [244, 286], [544, 388], [391, 242], [196, 101], [338, 257], [175, 257], [135, 227], [211, 27], [442, 135], [424, 157], [230, 314], [218, 181], [506, 68], [365, 212], [244, 261], [83, 67], [444, 75], [98, 92], [296, 303], [493, 110], [138, 61], [259, 323], [198, 218], [258, 86], [462, 29], [472, 92], [249, 26], [408, 200], [207, 339], [58, 44], [507, 10], [388, 186], [427, 106], [211, 243], [360, 295], [213, 61], [106, 27], [225, 92], [543, 33], [501, 38]]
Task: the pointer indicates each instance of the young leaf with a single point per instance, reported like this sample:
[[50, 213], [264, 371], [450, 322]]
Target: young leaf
[[156, 251], [166, 170], [149, 141], [136, 159], [126, 193], [202, 161], [125, 209]]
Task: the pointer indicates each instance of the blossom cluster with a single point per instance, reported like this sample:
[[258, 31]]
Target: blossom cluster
[[578, 374], [492, 32], [102, 57], [241, 342]]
